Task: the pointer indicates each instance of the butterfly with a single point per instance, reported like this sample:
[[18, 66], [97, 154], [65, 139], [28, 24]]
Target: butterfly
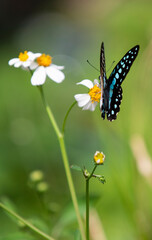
[[111, 91]]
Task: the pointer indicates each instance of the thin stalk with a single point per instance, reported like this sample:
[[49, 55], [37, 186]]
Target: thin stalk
[[60, 137], [93, 171], [32, 227], [71, 186], [50, 114], [87, 209], [31, 72], [87, 203], [64, 122]]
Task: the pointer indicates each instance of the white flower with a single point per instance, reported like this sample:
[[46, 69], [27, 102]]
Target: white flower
[[44, 68], [24, 59], [89, 100]]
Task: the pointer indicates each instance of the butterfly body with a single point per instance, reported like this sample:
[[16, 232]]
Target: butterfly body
[[111, 91]]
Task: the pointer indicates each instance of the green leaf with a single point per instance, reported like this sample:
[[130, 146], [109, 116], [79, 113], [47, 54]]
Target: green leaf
[[18, 236], [77, 168]]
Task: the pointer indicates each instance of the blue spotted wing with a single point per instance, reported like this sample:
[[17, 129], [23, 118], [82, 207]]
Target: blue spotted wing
[[112, 91]]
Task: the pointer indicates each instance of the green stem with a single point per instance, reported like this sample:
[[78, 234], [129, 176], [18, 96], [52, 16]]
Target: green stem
[[92, 171], [50, 114], [35, 229], [87, 209], [31, 72], [87, 202], [71, 186], [60, 137], [64, 122]]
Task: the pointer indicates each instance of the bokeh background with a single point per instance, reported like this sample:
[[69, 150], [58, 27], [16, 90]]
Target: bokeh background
[[72, 32]]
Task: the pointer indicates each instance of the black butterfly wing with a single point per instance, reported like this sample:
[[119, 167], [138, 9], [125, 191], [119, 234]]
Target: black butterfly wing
[[115, 104], [115, 80], [103, 78], [122, 68]]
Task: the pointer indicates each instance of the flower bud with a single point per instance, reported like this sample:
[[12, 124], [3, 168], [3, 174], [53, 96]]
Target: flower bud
[[36, 176], [99, 158], [42, 187]]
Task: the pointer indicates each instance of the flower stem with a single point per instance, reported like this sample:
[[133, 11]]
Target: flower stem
[[32, 227], [50, 114], [64, 122], [93, 171], [87, 202], [71, 186], [87, 209], [60, 137]]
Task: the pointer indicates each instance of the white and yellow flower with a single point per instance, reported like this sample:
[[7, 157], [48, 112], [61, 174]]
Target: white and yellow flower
[[89, 100], [99, 158], [24, 59], [44, 68]]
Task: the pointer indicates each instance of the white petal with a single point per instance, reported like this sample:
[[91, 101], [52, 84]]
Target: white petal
[[26, 63], [96, 82], [33, 65], [30, 54], [58, 67], [18, 64], [39, 76], [86, 83], [36, 55], [25, 68], [82, 99], [90, 106], [12, 61], [33, 56], [55, 74]]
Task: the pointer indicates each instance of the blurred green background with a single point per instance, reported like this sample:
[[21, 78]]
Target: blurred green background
[[72, 32]]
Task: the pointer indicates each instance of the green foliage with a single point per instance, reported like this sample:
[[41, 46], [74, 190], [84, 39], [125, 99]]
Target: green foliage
[[76, 168]]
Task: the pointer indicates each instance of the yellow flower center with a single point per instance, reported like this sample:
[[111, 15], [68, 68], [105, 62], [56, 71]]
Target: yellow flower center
[[99, 157], [44, 60], [23, 56], [95, 94]]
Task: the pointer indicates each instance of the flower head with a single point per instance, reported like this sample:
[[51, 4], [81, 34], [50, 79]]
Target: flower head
[[99, 158], [89, 100], [24, 59], [44, 67], [36, 176], [42, 187]]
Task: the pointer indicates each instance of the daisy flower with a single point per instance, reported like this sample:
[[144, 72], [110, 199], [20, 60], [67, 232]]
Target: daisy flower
[[24, 59], [89, 101], [44, 67]]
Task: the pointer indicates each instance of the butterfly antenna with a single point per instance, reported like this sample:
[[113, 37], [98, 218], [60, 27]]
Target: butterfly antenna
[[111, 66], [93, 66]]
